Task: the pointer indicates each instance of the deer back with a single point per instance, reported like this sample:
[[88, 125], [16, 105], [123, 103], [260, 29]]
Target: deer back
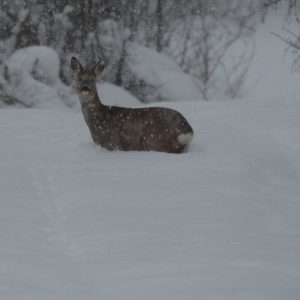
[[153, 128]]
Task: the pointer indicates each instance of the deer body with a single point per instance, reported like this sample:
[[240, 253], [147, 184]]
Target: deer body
[[129, 129]]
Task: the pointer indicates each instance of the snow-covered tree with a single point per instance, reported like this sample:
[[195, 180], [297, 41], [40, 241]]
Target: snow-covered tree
[[197, 34]]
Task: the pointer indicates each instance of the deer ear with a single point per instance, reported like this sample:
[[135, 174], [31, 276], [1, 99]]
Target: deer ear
[[97, 68], [75, 65]]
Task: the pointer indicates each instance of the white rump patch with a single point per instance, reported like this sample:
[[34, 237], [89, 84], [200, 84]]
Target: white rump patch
[[185, 138]]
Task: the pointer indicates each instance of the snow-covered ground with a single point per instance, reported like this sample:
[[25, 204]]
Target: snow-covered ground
[[219, 222]]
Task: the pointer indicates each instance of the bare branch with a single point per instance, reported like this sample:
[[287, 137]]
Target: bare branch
[[289, 42]]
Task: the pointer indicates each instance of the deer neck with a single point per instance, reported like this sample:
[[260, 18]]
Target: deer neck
[[91, 100], [90, 104]]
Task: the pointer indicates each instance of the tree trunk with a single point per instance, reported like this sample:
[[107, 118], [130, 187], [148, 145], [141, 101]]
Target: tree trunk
[[119, 75], [27, 35], [159, 20]]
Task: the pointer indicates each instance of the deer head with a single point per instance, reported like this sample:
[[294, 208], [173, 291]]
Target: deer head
[[86, 79]]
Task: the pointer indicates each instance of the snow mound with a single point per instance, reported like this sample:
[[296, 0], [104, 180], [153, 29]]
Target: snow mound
[[39, 61], [163, 74], [33, 78], [111, 94]]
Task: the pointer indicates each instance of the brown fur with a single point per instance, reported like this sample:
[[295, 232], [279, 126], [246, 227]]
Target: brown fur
[[120, 128]]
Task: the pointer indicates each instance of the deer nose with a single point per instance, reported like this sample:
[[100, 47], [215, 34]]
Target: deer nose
[[85, 90]]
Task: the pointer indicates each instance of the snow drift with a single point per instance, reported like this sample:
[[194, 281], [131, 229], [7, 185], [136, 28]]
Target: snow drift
[[162, 78], [111, 94], [32, 78], [219, 222]]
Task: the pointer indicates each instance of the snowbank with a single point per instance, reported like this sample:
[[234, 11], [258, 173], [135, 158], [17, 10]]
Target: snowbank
[[33, 78], [164, 75], [111, 94], [39, 61]]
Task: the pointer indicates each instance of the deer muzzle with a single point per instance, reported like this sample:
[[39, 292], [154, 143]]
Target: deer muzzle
[[85, 90]]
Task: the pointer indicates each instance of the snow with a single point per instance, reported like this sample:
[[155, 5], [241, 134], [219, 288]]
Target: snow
[[34, 80], [45, 58], [159, 71], [111, 94], [219, 222], [270, 75], [33, 74]]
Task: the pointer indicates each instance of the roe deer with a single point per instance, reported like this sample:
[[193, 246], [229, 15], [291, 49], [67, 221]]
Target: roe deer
[[121, 128]]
